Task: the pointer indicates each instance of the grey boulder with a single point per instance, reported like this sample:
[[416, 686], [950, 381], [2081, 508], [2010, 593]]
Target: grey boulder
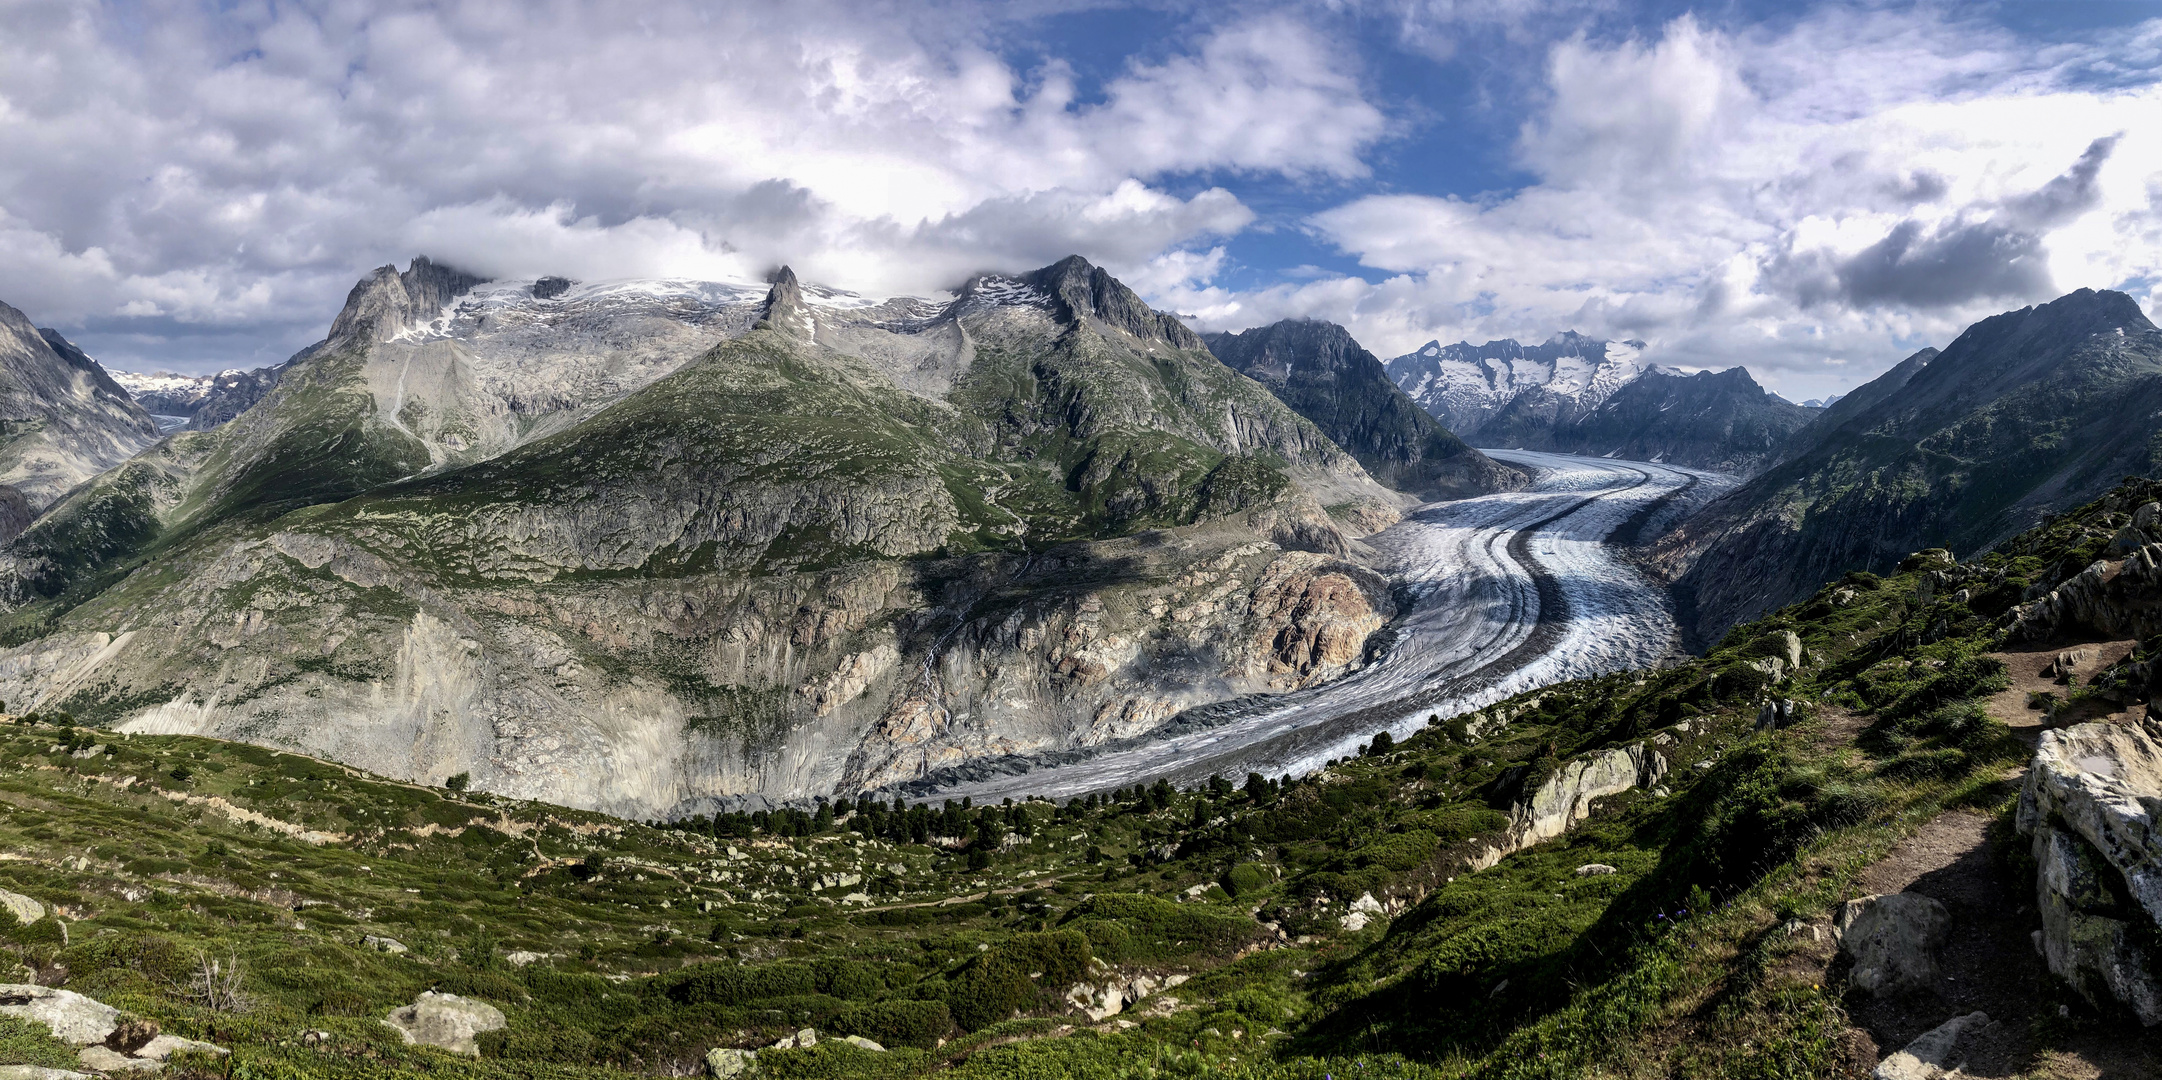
[[1936, 1053], [2088, 809], [25, 909], [446, 1021], [1893, 940], [70, 1016]]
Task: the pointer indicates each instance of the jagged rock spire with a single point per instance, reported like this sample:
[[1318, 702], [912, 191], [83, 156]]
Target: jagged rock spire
[[387, 302]]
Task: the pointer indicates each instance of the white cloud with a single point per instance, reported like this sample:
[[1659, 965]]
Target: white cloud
[[213, 172], [1809, 202]]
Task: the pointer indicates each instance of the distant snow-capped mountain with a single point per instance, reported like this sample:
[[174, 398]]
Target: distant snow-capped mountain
[[197, 402], [1467, 386], [1583, 395]]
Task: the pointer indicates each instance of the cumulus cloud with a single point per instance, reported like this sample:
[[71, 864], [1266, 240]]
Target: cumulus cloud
[[196, 173], [1810, 201]]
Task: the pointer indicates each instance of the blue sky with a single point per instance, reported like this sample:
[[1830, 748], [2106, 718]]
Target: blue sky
[[1810, 190]]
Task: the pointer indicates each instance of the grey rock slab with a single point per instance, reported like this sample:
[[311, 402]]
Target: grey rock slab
[[861, 1043], [107, 1060], [70, 1016], [447, 1021], [39, 1072], [1893, 940], [25, 909], [1936, 1053], [165, 1046], [2088, 938]]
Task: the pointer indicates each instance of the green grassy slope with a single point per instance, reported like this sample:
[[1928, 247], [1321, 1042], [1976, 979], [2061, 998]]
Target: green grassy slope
[[951, 933]]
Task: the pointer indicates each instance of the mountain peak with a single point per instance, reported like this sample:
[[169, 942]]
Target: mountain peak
[[387, 303], [1080, 291]]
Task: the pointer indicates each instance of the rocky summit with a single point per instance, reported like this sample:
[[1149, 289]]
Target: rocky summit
[[658, 547]]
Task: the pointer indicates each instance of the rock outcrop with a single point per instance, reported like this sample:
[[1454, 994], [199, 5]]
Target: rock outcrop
[[2089, 808], [1892, 940], [446, 1021], [25, 909], [1566, 798], [727, 1062]]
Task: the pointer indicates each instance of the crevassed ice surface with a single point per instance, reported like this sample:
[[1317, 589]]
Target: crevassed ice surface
[[1512, 591]]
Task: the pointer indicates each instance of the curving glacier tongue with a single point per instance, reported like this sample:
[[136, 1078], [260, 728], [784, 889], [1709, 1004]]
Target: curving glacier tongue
[[1512, 592]]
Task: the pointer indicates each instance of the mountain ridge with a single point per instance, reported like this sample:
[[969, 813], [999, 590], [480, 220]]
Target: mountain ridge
[[2025, 413], [1326, 376]]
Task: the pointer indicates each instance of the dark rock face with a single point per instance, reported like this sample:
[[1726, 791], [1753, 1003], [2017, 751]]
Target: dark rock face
[[1325, 376], [62, 417], [1712, 419], [2027, 413], [1080, 291], [548, 288], [81, 361]]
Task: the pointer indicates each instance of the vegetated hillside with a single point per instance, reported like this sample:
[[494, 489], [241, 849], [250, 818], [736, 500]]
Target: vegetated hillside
[[1318, 370], [1712, 420], [529, 534], [2028, 412], [62, 420], [1333, 924]]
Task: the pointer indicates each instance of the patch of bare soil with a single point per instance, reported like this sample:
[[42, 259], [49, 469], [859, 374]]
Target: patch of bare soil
[[2026, 665], [1990, 963]]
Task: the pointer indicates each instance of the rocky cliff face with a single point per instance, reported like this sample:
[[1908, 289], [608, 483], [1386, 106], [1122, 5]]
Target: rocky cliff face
[[1318, 370], [655, 547], [63, 420], [2026, 413]]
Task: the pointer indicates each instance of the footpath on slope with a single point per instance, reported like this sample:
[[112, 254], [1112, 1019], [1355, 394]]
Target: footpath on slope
[[2040, 1030]]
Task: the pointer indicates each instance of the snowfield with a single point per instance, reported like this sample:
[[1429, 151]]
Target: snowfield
[[1512, 592]]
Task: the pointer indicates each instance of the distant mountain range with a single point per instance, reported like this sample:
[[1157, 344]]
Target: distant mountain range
[[1582, 395], [197, 402]]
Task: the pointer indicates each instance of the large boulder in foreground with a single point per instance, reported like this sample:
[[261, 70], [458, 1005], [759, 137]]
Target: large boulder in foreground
[[1892, 939], [447, 1021], [71, 1017], [2089, 808]]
